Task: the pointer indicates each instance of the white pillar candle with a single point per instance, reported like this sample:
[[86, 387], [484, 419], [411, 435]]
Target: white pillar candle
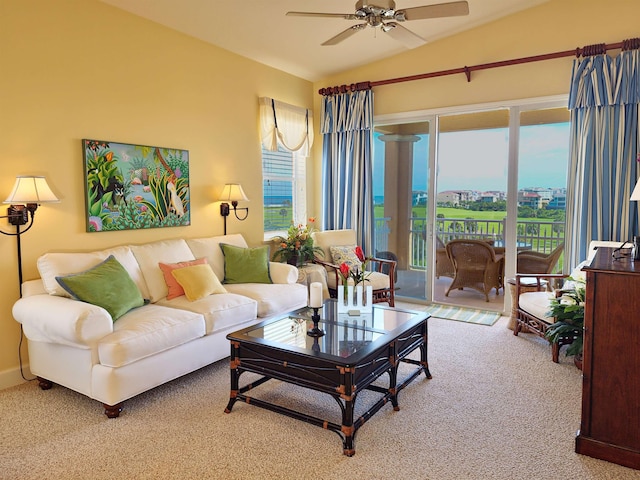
[[315, 295]]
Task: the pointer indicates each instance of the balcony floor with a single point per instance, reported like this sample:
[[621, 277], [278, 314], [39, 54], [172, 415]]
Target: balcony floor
[[410, 287]]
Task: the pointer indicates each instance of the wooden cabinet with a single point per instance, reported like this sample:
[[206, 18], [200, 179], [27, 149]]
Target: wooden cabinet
[[610, 423]]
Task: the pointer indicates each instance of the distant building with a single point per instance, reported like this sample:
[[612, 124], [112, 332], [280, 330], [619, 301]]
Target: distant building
[[558, 202], [529, 199]]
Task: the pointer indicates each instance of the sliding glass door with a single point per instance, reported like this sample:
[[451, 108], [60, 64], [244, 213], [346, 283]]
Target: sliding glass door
[[497, 175]]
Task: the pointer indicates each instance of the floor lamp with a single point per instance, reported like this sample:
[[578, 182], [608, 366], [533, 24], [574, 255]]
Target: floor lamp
[[28, 192], [232, 192]]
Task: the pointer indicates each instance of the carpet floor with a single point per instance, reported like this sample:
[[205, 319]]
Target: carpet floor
[[496, 408]]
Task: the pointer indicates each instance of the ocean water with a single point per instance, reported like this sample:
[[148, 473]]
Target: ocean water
[[273, 200]]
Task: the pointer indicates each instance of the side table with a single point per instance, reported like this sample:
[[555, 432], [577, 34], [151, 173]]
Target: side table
[[526, 285], [312, 272]]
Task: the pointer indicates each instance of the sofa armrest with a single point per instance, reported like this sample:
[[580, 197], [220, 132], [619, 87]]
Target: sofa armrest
[[283, 273], [53, 319]]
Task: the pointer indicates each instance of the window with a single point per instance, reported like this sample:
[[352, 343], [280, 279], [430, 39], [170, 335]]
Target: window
[[286, 136], [283, 177]]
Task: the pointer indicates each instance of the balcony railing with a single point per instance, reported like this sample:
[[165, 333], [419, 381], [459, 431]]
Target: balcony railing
[[538, 236]]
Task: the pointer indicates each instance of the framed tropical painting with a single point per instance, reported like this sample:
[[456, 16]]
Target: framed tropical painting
[[129, 187]]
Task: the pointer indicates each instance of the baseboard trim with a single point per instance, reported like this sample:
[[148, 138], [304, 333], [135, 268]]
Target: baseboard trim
[[12, 377]]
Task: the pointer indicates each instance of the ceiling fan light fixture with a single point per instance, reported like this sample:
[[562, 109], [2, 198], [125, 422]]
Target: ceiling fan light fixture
[[385, 11], [399, 16]]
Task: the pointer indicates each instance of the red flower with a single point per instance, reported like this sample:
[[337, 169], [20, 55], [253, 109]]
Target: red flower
[[360, 253], [344, 270]]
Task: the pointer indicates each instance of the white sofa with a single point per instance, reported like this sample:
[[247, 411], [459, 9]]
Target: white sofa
[[78, 345]]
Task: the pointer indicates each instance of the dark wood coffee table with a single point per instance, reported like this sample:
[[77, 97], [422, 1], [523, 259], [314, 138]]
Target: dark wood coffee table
[[353, 353]]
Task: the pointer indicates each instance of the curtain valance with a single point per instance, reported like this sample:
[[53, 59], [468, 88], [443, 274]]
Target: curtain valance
[[287, 125], [599, 80], [347, 112]]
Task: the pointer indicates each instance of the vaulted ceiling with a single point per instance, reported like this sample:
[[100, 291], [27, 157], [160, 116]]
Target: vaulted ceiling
[[261, 30]]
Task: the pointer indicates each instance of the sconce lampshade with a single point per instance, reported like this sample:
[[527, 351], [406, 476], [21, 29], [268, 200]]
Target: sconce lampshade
[[635, 195], [232, 192], [31, 189]]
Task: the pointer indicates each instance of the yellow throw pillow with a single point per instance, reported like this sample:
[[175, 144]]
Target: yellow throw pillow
[[198, 281]]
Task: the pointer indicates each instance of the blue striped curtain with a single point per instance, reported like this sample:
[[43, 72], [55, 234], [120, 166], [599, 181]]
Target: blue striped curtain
[[347, 166], [603, 169]]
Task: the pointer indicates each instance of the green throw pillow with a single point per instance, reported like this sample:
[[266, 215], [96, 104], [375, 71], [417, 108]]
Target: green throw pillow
[[246, 265], [107, 285]]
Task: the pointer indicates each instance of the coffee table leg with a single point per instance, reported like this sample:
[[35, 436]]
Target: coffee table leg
[[393, 384], [348, 443], [423, 360], [347, 429], [235, 377]]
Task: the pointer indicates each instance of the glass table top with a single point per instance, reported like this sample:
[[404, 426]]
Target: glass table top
[[344, 334]]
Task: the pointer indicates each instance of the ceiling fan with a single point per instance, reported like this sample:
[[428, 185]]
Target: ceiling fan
[[385, 16]]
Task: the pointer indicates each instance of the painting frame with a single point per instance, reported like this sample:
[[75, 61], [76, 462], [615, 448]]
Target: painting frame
[[132, 187]]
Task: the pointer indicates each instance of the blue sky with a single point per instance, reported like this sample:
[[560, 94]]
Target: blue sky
[[477, 159]]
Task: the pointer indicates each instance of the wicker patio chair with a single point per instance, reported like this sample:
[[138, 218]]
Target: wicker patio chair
[[476, 266], [444, 267], [538, 262]]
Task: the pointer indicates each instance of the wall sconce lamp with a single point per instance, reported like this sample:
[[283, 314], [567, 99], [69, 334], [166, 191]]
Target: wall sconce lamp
[[28, 192], [232, 192]]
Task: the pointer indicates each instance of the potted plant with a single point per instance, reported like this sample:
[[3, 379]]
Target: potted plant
[[568, 310], [297, 247]]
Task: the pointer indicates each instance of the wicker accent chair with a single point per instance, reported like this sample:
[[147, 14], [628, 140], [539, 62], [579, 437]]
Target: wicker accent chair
[[382, 283], [532, 308], [444, 267], [538, 262], [476, 266]]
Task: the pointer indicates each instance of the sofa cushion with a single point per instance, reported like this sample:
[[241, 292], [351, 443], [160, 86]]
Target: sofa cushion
[[174, 288], [198, 281], [272, 298], [107, 285], [58, 264], [245, 265], [221, 312], [146, 331], [537, 304], [209, 248], [166, 251]]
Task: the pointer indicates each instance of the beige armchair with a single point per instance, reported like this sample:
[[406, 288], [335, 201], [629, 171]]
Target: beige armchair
[[475, 265], [532, 308], [382, 283]]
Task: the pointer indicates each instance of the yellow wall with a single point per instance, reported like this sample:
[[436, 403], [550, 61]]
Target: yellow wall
[[74, 69]]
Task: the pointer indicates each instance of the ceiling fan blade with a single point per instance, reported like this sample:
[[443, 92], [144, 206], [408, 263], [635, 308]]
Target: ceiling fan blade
[[452, 9], [403, 35], [345, 34], [346, 16]]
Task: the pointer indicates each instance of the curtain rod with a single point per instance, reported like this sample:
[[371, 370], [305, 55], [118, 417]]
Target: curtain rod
[[596, 49]]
